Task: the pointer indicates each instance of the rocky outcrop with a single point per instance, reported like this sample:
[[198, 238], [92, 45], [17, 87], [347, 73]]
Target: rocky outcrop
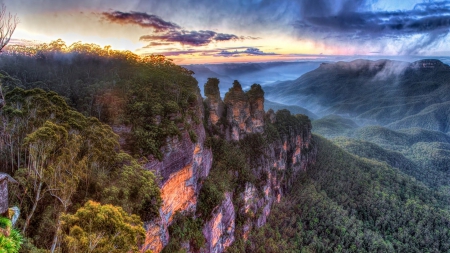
[[214, 104], [181, 170], [244, 111], [186, 164], [275, 168]]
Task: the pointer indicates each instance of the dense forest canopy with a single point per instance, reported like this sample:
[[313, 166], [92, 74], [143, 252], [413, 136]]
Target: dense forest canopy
[[151, 94]]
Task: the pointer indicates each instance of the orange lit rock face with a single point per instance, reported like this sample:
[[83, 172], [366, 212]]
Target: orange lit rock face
[[215, 107], [184, 164], [178, 193]]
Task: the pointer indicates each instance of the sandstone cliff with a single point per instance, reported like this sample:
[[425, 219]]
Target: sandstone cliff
[[279, 162], [186, 164]]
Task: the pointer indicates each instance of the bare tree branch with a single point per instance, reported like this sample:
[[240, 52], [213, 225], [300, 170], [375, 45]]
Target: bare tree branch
[[8, 24]]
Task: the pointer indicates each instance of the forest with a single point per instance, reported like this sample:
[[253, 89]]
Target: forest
[[372, 188], [57, 141], [346, 203]]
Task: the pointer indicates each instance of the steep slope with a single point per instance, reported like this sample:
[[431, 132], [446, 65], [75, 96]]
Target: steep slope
[[345, 203], [380, 92], [401, 139], [294, 109], [333, 125], [222, 185]]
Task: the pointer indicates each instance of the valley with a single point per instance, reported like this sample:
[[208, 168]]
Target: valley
[[222, 172]]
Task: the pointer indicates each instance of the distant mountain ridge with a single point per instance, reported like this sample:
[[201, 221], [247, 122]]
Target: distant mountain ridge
[[249, 73], [382, 92]]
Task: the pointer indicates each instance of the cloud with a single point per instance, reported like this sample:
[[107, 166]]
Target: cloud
[[248, 51], [190, 38], [224, 52], [166, 33], [142, 19], [155, 44], [350, 19]]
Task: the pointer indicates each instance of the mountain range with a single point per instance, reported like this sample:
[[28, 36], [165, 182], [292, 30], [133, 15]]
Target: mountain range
[[391, 93]]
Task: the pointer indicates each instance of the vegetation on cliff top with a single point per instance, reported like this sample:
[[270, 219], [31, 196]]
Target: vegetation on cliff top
[[151, 94]]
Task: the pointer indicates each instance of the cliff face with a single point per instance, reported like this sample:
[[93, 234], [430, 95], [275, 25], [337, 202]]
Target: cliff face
[[219, 230], [186, 164], [280, 161]]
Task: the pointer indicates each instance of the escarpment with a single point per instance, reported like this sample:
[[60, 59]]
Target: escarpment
[[286, 149], [186, 161], [249, 158]]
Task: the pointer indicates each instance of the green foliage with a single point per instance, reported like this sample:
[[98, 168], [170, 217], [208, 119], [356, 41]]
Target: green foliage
[[5, 223], [11, 243], [235, 93], [289, 125], [271, 132], [294, 109], [117, 87], [102, 228], [344, 203], [255, 92], [211, 87], [62, 158], [333, 125], [193, 136], [229, 172], [185, 229], [134, 189], [213, 189]]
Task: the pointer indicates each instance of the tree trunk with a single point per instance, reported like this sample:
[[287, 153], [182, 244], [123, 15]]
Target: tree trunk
[[55, 238], [36, 200]]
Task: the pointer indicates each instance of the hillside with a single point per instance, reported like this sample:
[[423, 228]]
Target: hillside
[[333, 126], [374, 92], [294, 109], [346, 203], [88, 130], [108, 132]]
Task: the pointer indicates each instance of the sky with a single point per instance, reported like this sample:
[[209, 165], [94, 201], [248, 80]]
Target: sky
[[214, 31]]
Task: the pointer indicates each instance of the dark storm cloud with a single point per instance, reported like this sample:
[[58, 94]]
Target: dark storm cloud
[[141, 19], [191, 38], [167, 32], [350, 20]]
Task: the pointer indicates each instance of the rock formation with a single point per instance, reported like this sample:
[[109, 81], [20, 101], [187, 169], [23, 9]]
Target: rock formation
[[244, 111], [214, 103], [186, 164], [183, 166], [290, 154]]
